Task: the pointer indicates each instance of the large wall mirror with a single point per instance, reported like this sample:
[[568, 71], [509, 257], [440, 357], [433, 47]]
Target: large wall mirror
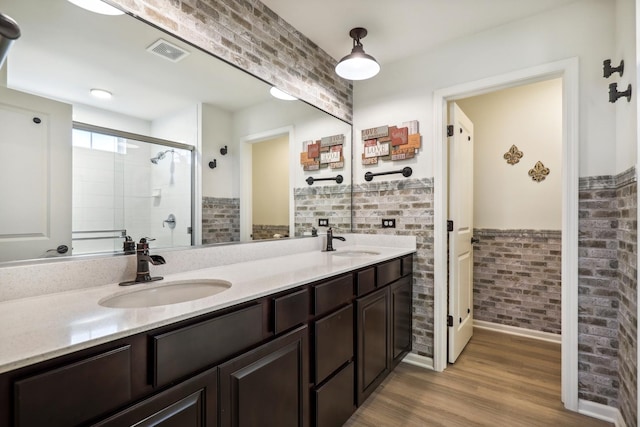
[[188, 150]]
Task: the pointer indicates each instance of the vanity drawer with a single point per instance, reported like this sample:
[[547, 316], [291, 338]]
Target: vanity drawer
[[290, 310], [334, 401], [388, 272], [366, 281], [178, 353], [75, 393], [333, 342], [407, 265], [332, 294]]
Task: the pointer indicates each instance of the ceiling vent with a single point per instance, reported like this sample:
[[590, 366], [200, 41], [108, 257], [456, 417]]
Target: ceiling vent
[[167, 50]]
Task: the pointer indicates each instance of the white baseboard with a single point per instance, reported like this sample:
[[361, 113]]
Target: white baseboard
[[417, 360], [601, 412], [513, 330]]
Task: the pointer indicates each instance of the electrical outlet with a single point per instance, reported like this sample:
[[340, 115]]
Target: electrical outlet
[[388, 223], [323, 222]]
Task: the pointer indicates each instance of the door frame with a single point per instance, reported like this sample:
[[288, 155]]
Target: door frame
[[246, 176], [568, 71]]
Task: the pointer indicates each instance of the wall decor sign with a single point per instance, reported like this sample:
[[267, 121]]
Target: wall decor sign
[[390, 143], [539, 172], [513, 156], [323, 153]]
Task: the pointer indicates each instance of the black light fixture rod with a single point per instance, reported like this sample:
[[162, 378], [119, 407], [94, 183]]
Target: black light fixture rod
[[338, 179], [406, 172]]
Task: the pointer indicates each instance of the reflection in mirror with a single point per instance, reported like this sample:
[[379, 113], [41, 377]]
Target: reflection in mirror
[[182, 95]]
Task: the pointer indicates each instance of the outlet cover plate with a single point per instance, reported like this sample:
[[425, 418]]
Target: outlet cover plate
[[388, 223], [323, 222]]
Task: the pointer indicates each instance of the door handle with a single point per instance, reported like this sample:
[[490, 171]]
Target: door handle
[[62, 249], [474, 240]]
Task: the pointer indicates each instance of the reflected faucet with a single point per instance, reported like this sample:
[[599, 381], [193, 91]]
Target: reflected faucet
[[142, 260], [330, 238]]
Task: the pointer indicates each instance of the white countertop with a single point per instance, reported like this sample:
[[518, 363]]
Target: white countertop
[[42, 327]]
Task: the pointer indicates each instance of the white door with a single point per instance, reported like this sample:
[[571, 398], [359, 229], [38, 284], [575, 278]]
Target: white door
[[35, 176], [460, 248]]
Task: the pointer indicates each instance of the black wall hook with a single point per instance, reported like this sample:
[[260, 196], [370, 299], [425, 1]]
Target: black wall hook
[[614, 94], [224, 150], [213, 163], [608, 70]]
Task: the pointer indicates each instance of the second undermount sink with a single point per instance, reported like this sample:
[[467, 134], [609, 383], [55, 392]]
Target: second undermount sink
[[173, 292], [354, 253]]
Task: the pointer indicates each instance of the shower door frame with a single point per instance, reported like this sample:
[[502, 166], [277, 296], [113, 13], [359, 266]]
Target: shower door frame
[[152, 140]]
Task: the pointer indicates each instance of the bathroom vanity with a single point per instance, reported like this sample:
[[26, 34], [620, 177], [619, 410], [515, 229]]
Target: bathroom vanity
[[305, 353]]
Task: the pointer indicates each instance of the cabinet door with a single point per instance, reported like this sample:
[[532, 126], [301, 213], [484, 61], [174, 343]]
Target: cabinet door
[[373, 341], [192, 403], [401, 293], [268, 386]]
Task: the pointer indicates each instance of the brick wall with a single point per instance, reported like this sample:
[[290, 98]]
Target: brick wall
[[607, 292], [249, 35], [220, 220], [410, 202], [314, 202], [517, 278], [262, 231]]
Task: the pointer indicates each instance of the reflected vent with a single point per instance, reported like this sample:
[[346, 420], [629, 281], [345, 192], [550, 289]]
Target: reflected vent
[[167, 50]]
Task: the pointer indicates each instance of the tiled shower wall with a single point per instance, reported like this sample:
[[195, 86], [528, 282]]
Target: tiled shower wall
[[220, 220], [410, 201], [516, 278], [249, 35], [608, 292]]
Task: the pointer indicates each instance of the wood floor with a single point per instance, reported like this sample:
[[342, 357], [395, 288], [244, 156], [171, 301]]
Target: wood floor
[[499, 380]]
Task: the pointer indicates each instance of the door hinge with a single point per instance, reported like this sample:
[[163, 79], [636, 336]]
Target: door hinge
[[449, 320], [450, 130], [449, 225]]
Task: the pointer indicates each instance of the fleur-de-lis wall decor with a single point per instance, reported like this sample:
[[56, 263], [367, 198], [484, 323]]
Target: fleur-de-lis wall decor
[[513, 156], [539, 172]]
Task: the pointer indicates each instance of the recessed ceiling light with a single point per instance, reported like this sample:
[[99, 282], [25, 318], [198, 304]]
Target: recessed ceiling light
[[101, 93], [281, 94], [97, 6]]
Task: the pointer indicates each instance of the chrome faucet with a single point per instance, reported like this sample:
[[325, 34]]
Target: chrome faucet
[[142, 260], [330, 238]]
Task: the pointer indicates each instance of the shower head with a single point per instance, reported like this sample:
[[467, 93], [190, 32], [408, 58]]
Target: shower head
[[160, 156]]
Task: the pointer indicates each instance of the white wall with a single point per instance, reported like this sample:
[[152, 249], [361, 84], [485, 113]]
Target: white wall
[[626, 112], [403, 90], [109, 119], [530, 117], [216, 133]]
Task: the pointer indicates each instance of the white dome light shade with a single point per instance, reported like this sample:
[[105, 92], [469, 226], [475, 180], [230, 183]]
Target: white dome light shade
[[357, 65], [280, 94], [97, 6], [101, 93]]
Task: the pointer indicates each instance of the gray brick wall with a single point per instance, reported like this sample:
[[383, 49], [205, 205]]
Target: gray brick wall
[[265, 231], [220, 220], [249, 35], [517, 278], [607, 343], [332, 202], [410, 202]]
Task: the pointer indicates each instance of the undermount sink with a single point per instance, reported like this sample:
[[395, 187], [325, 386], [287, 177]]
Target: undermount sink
[[166, 293], [355, 253]]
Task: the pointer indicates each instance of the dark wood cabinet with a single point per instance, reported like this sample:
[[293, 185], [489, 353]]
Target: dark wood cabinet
[[373, 337], [192, 403], [305, 356], [268, 386]]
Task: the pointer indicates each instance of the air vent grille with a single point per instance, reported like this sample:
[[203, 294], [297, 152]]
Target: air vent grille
[[167, 50]]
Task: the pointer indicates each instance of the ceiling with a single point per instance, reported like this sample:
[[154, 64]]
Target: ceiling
[[400, 28]]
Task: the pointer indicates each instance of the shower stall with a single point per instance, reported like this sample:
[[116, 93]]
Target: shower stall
[[130, 185]]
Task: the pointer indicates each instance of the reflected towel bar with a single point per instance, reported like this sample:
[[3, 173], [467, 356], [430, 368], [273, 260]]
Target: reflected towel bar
[[338, 179], [406, 172]]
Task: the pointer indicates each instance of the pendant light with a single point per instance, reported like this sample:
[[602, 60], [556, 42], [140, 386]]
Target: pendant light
[[357, 65]]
